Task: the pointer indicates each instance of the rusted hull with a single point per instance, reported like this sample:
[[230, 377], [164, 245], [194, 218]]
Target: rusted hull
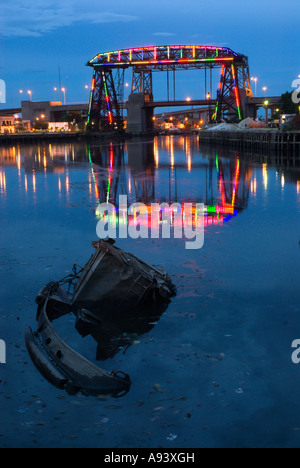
[[114, 280], [115, 296], [64, 367]]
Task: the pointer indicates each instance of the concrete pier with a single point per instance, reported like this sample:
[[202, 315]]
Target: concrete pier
[[139, 117]]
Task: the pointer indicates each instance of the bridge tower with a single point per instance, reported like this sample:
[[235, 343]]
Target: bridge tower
[[142, 82], [106, 93], [139, 117], [233, 93]]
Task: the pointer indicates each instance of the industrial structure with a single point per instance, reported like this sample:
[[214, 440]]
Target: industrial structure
[[107, 91], [110, 110]]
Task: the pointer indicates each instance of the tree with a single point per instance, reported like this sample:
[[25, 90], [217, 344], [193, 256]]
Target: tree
[[39, 125], [72, 116], [287, 106]]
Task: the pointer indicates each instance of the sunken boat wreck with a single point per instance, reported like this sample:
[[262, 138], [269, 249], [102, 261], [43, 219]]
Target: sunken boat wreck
[[114, 298]]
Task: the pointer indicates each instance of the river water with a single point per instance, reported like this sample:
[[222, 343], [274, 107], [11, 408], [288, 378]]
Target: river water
[[215, 370]]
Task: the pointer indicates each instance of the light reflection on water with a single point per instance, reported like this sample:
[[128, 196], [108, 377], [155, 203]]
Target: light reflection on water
[[170, 169]]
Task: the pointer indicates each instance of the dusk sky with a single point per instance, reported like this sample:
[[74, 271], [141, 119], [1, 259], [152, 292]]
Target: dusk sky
[[39, 37]]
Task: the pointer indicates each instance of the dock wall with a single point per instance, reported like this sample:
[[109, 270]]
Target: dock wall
[[259, 141]]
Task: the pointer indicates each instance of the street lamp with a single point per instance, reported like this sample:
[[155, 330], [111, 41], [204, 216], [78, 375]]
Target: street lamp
[[209, 109], [54, 89], [126, 96], [264, 89], [189, 100], [255, 81], [87, 92], [64, 91], [30, 94]]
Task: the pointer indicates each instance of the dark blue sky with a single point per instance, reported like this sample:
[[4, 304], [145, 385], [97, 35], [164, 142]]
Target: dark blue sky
[[37, 37]]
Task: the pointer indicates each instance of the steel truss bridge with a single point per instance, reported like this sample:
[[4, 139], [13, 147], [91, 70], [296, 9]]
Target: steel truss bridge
[[107, 90]]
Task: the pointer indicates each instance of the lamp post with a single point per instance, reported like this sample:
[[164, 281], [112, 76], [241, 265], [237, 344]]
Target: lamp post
[[189, 100], [255, 81], [264, 89], [209, 109], [54, 89], [30, 94], [64, 91], [126, 86]]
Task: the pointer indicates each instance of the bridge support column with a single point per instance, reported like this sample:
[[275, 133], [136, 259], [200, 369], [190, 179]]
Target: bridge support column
[[234, 91], [139, 117], [104, 109], [251, 110]]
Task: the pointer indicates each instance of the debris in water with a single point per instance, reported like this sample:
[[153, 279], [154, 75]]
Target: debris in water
[[114, 298], [172, 437]]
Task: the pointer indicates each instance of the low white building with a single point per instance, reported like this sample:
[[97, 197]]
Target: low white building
[[58, 126]]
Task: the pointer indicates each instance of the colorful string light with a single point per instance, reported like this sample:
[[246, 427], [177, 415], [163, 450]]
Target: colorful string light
[[236, 92], [115, 57]]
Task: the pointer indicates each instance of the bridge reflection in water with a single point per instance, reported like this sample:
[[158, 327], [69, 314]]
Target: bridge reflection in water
[[139, 172], [164, 170]]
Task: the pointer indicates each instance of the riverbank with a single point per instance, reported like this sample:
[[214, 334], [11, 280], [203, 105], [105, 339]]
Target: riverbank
[[267, 141], [35, 137], [262, 140], [32, 137]]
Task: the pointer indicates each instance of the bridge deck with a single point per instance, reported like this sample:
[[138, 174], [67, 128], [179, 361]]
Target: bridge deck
[[256, 101], [199, 102]]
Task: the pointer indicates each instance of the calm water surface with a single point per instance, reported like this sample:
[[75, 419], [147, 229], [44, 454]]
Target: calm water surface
[[215, 370]]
